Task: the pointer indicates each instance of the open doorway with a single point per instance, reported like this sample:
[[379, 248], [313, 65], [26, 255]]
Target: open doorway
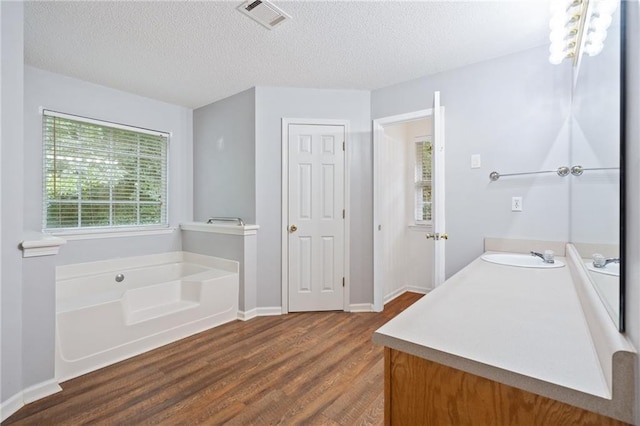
[[408, 203]]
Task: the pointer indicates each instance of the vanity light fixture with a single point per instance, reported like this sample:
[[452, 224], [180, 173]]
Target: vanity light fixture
[[578, 26]]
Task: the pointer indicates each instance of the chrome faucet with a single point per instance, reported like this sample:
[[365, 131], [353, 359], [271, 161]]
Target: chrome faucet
[[599, 261], [547, 257]]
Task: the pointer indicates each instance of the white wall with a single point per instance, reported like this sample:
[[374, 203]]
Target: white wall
[[272, 104], [393, 208], [224, 158], [407, 257], [633, 186], [64, 94], [11, 87], [419, 255], [512, 111]]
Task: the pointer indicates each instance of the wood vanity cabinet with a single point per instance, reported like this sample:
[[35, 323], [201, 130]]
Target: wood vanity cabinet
[[422, 392]]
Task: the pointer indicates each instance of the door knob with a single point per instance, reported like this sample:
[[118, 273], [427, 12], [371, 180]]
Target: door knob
[[293, 228], [437, 236]]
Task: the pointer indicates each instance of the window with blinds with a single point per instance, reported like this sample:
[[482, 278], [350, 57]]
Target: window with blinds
[[102, 175], [423, 182]]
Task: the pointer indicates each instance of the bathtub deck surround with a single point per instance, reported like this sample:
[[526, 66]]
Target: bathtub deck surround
[[231, 241], [539, 330], [111, 310], [220, 228]]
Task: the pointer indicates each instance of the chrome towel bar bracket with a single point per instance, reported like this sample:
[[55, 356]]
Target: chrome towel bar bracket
[[226, 219]]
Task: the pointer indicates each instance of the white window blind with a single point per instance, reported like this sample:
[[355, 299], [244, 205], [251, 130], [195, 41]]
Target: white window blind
[[423, 181], [102, 175]]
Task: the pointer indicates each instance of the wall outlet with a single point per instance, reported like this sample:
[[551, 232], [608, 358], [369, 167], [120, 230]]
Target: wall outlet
[[476, 162], [516, 204]]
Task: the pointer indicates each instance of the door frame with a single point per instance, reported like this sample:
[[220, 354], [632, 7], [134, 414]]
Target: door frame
[[378, 135], [285, 205]]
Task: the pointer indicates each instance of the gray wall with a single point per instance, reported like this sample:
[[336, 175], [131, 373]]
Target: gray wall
[[595, 140], [273, 104], [513, 112], [633, 186], [11, 86], [37, 285], [72, 96], [224, 158]]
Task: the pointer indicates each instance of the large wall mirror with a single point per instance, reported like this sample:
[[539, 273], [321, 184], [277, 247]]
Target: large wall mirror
[[597, 187]]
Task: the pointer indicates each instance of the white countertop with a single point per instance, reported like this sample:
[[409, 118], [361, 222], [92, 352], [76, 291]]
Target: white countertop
[[541, 330], [526, 321]]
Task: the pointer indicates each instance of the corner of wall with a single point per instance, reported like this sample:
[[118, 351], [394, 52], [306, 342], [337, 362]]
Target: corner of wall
[[12, 136]]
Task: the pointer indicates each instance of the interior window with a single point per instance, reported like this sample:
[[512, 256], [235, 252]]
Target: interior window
[[423, 182], [102, 175]]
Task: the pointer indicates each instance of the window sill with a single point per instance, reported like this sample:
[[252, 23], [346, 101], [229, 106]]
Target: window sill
[[39, 244], [112, 233], [420, 227]]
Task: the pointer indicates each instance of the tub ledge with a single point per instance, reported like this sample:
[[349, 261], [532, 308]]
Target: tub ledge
[[220, 228], [40, 244]]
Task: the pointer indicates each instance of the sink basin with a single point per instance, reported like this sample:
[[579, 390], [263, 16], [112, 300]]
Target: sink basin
[[520, 260], [610, 269]]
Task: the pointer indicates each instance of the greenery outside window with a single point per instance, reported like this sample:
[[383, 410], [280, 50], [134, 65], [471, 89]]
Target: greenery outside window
[[100, 175], [423, 186]]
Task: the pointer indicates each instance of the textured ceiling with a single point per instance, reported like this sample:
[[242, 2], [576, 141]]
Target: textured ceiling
[[193, 53]]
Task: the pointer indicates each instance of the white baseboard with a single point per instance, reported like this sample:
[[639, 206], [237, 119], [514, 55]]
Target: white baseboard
[[259, 312], [10, 406], [30, 394], [39, 391], [413, 289], [269, 311], [276, 310], [361, 307], [389, 297], [419, 290], [247, 315]]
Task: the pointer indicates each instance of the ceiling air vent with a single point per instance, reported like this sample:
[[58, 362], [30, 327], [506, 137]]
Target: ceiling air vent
[[264, 12]]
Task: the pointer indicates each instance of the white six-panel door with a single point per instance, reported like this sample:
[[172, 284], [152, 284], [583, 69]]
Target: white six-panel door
[[316, 225]]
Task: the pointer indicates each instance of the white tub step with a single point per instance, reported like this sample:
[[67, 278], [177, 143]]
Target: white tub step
[[159, 311]]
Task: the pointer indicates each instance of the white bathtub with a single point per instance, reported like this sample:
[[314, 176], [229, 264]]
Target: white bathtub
[[161, 299]]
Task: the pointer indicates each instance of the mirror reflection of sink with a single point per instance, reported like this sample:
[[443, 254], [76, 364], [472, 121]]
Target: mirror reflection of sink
[[520, 260], [610, 269]]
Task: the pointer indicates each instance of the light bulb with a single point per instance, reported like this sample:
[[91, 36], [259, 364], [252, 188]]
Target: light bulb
[[575, 8], [557, 58], [592, 49], [556, 48], [559, 6], [557, 21], [606, 7], [557, 36], [596, 37], [600, 22]]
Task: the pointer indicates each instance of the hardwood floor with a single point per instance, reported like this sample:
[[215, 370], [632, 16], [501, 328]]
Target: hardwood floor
[[303, 368]]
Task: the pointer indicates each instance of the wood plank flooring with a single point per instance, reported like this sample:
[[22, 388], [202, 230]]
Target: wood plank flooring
[[303, 368]]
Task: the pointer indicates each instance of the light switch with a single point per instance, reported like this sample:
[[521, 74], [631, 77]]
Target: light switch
[[475, 161]]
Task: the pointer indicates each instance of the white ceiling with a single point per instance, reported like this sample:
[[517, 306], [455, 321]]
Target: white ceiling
[[193, 53]]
